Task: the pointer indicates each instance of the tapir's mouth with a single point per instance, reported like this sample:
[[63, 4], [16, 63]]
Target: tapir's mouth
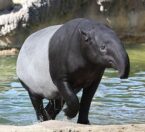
[[112, 65], [123, 72], [115, 67]]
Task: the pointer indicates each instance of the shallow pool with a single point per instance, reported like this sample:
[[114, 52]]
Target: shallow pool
[[116, 101]]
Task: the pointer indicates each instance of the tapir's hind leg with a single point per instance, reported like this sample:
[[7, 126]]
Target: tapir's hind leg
[[37, 103], [54, 107], [41, 113]]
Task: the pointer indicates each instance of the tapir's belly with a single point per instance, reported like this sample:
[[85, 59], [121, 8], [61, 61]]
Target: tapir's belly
[[33, 63]]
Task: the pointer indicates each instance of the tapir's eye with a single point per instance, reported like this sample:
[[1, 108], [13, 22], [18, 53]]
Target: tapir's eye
[[87, 39], [103, 48]]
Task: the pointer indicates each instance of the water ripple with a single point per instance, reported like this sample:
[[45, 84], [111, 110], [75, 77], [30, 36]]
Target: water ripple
[[115, 102]]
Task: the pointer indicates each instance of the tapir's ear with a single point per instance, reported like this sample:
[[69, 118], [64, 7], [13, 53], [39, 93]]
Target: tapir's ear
[[84, 34]]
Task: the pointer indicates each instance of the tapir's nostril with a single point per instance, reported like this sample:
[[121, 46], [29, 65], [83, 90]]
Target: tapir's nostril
[[112, 64]]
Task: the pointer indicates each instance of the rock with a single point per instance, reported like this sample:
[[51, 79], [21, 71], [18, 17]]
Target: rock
[[32, 15], [18, 1], [5, 4], [103, 4], [125, 17], [61, 126], [12, 51]]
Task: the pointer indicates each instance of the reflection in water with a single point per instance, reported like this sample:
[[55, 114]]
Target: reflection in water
[[116, 101]]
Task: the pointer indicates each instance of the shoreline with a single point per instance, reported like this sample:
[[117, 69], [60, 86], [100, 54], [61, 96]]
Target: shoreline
[[9, 52], [63, 126]]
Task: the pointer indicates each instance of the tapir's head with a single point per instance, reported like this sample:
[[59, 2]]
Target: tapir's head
[[101, 46]]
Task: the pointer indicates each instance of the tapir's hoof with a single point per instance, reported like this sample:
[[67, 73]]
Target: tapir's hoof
[[70, 113], [84, 122]]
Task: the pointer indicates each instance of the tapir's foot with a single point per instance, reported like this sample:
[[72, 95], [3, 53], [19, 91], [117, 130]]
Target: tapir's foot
[[54, 107], [70, 113], [43, 117], [84, 122]]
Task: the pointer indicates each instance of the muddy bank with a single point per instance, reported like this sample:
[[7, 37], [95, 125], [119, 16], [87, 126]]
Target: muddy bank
[[61, 126]]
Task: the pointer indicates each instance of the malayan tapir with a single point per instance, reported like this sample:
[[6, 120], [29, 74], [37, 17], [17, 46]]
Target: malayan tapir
[[57, 62]]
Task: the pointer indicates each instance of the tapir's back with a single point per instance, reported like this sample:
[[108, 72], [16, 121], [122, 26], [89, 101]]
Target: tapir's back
[[33, 63]]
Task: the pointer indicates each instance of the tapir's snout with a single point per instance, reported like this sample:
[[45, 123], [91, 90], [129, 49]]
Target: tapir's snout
[[120, 61], [124, 68]]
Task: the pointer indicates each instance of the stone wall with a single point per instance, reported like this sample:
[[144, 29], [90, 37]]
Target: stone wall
[[23, 19]]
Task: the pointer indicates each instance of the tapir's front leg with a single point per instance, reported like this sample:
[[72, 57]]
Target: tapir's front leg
[[86, 99], [70, 98]]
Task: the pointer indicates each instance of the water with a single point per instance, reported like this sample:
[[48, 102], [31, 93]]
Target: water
[[116, 101]]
